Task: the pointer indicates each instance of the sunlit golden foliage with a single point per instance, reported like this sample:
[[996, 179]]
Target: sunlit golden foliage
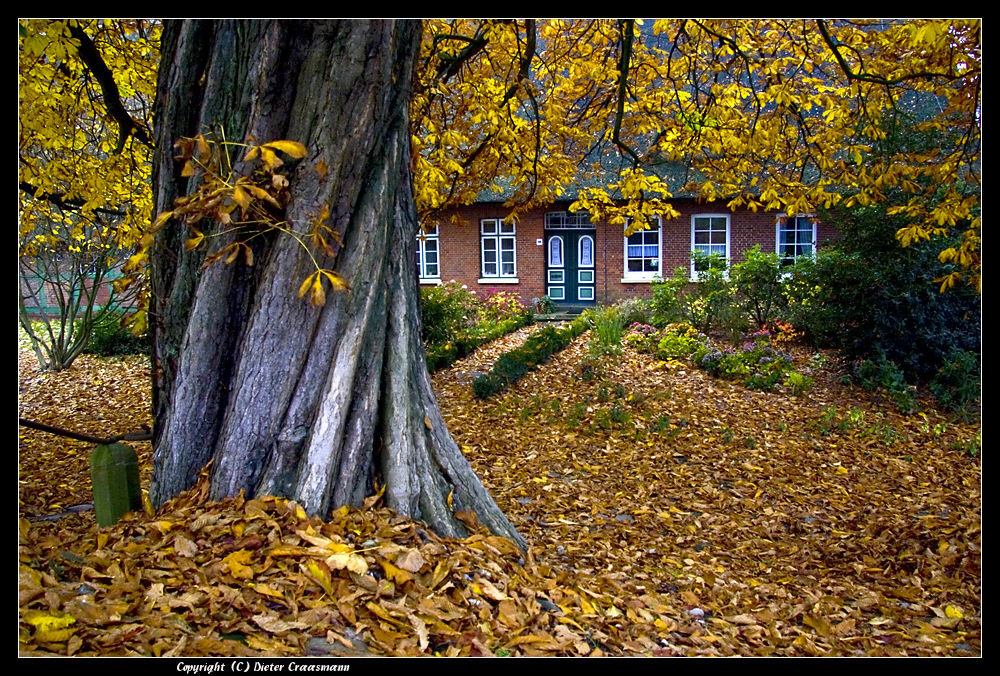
[[789, 115]]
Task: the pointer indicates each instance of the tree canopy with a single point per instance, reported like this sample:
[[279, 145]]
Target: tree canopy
[[85, 95], [621, 116], [788, 115]]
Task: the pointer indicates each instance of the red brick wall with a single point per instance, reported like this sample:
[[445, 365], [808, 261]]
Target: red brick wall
[[460, 248]]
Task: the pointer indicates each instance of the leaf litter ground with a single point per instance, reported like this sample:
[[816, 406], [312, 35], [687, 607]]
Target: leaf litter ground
[[668, 513]]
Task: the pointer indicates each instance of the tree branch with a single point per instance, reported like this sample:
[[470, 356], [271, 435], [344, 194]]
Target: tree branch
[[91, 57], [625, 27], [63, 202], [874, 79]]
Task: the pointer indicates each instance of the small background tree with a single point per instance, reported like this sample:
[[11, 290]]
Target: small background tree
[[66, 289]]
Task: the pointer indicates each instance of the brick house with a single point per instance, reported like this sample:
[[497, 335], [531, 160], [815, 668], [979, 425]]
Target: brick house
[[576, 262]]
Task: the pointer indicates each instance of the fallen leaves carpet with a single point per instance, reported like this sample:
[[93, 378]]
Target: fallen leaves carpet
[[668, 514]]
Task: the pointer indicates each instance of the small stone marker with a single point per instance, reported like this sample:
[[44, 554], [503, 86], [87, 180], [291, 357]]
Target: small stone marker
[[114, 472]]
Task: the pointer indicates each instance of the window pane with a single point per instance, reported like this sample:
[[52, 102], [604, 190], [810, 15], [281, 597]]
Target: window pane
[[555, 252], [586, 251]]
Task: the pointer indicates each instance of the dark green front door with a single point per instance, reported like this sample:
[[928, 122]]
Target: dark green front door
[[569, 270]]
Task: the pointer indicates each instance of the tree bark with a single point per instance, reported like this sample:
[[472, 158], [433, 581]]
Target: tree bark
[[316, 404]]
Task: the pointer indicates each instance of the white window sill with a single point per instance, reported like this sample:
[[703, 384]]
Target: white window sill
[[429, 281], [641, 280], [499, 280]]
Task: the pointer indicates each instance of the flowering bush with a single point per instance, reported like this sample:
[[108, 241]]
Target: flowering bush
[[502, 305], [756, 363], [680, 342], [642, 337]]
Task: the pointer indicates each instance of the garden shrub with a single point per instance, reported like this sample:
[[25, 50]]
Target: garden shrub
[[109, 337], [501, 305], [446, 309], [514, 364], [642, 337], [872, 299], [634, 310], [708, 304], [757, 283], [668, 304], [455, 322]]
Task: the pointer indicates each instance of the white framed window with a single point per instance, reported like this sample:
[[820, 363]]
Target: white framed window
[[642, 253], [567, 220], [709, 236], [795, 237], [498, 241], [585, 258], [428, 254]]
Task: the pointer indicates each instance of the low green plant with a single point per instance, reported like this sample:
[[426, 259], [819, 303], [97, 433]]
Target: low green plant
[[972, 447], [883, 374], [757, 364], [797, 383], [662, 424], [957, 383]]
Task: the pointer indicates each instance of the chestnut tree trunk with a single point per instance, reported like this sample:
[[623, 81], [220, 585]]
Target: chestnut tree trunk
[[317, 404]]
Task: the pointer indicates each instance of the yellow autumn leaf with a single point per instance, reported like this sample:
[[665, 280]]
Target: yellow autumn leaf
[[161, 220], [317, 296], [50, 627], [192, 243], [270, 160], [336, 281], [237, 562], [320, 572], [307, 284], [953, 612], [394, 573], [266, 590], [241, 197], [292, 148], [260, 193]]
